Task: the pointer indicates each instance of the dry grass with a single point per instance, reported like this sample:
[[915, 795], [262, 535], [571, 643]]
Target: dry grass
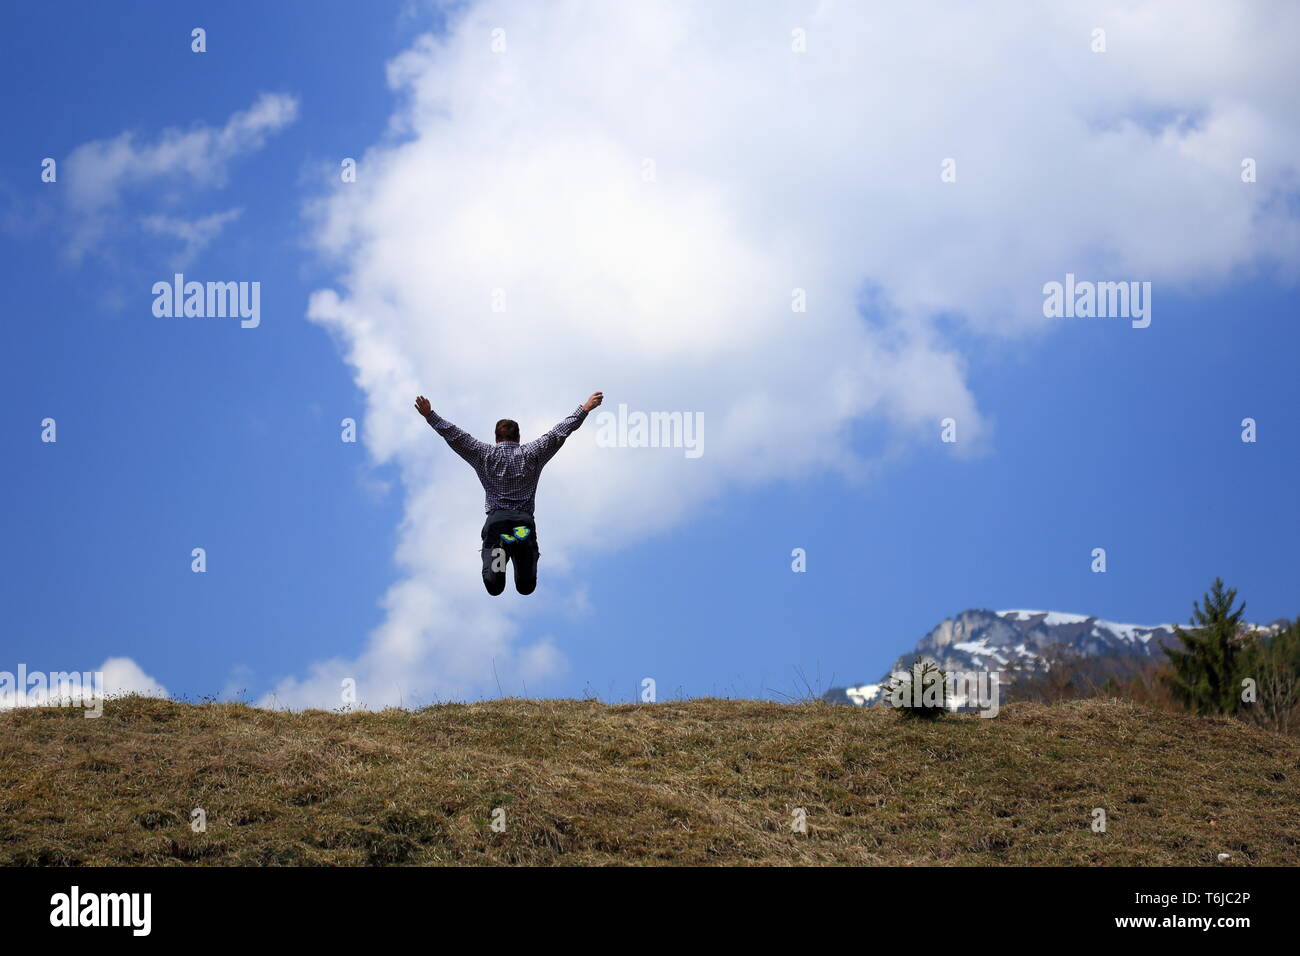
[[696, 782]]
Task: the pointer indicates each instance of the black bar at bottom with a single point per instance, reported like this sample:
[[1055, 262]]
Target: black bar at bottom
[[948, 906]]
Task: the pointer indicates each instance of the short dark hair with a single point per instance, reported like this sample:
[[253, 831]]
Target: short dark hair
[[507, 430]]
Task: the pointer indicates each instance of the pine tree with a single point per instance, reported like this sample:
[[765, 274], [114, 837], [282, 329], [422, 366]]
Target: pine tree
[[921, 691], [1274, 663], [1205, 672]]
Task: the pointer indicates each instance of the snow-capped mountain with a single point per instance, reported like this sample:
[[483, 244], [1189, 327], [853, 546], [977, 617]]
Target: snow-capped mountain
[[980, 640]]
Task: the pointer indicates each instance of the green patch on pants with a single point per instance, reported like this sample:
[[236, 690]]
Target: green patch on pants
[[521, 533]]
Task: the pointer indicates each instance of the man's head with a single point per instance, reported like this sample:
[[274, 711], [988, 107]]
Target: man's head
[[507, 430]]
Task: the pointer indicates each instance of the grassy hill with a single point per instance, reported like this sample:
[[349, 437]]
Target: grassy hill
[[693, 782]]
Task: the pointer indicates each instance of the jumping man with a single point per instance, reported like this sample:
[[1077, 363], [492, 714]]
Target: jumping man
[[508, 472]]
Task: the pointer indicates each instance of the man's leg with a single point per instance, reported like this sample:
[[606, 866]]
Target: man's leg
[[494, 568], [525, 560]]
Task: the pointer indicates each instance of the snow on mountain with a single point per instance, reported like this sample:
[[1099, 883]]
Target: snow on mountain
[[1049, 617], [982, 640]]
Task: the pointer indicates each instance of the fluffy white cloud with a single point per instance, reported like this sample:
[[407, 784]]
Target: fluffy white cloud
[[525, 169], [97, 175], [124, 676]]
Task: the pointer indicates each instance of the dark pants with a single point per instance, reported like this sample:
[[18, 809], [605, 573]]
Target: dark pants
[[498, 553]]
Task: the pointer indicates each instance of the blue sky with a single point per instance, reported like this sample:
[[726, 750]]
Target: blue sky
[[174, 434]]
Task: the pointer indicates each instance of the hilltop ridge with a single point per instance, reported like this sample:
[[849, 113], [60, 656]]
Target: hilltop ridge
[[691, 782]]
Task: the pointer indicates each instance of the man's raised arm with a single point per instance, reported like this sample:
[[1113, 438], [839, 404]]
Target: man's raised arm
[[546, 446], [461, 442]]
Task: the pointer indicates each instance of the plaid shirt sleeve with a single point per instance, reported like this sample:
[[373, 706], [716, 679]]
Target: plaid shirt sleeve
[[461, 442], [544, 448]]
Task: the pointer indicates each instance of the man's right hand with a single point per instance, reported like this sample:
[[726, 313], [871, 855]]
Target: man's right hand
[[596, 399], [423, 407]]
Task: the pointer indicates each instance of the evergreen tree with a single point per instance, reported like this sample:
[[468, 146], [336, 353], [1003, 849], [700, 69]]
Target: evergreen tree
[[1274, 664], [921, 691], [1205, 675]]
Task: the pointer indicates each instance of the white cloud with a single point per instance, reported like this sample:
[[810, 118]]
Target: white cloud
[[98, 175], [124, 676], [115, 677], [523, 171], [237, 683], [194, 234]]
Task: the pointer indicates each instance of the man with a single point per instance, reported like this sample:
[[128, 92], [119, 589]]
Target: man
[[508, 472]]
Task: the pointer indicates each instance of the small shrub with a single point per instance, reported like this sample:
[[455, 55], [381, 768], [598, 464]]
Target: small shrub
[[922, 692]]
